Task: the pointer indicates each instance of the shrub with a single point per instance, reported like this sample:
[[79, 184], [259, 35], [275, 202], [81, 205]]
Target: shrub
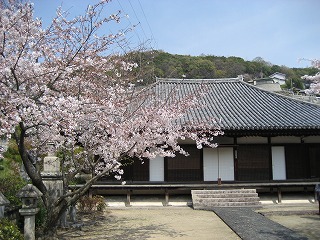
[[89, 204], [10, 180], [9, 230], [41, 215], [100, 203], [10, 185], [13, 152]]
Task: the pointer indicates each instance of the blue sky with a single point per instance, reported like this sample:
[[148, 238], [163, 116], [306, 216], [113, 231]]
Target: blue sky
[[279, 31]]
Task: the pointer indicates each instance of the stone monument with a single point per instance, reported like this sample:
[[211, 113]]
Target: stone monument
[[52, 177]]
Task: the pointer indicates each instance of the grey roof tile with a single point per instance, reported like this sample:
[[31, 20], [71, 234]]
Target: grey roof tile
[[237, 105]]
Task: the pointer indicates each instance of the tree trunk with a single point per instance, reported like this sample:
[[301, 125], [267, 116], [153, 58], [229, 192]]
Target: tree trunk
[[28, 165], [55, 208], [50, 234], [54, 214]]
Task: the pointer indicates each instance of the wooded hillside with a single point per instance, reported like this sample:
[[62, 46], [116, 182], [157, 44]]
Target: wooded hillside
[[154, 64]]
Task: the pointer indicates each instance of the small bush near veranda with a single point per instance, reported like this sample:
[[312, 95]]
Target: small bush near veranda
[[89, 204]]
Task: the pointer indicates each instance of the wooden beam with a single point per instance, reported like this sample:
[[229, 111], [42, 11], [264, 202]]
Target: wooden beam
[[186, 186]]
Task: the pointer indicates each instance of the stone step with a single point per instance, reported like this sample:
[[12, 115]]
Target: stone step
[[244, 199], [223, 191], [225, 195], [206, 199], [233, 204], [227, 204]]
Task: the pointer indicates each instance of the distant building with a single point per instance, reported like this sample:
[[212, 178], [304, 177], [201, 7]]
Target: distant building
[[271, 83], [4, 144], [266, 84], [278, 78]]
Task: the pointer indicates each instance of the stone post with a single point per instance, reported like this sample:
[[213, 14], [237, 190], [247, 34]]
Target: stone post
[[3, 202], [73, 213], [52, 178], [29, 195]]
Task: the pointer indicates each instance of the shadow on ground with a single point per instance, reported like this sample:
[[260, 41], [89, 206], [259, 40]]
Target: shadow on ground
[[111, 226]]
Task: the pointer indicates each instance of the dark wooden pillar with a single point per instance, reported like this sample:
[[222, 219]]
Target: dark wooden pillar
[[270, 159], [235, 158]]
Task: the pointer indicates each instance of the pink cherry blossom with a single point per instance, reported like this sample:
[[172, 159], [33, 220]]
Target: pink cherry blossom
[[58, 85], [315, 80]]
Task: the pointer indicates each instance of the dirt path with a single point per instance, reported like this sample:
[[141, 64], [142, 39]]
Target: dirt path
[[154, 223]]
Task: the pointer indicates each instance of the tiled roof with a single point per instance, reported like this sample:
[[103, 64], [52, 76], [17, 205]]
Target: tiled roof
[[237, 105]]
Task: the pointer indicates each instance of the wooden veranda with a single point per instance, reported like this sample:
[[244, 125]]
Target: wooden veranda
[[175, 188]]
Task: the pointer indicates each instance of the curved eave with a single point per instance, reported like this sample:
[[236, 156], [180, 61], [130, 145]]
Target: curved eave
[[273, 132]]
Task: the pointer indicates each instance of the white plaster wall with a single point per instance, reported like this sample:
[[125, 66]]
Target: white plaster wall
[[226, 164], [312, 139], [218, 139], [210, 164], [156, 170], [186, 141], [285, 139], [218, 162], [278, 163], [252, 140], [223, 140]]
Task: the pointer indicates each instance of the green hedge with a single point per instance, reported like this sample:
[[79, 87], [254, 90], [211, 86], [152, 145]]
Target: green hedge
[[9, 230], [9, 186]]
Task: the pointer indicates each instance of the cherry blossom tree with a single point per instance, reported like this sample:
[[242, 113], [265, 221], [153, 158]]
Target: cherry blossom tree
[[61, 85], [315, 80]]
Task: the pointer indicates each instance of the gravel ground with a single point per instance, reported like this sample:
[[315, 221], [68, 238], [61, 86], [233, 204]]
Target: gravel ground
[[185, 223], [152, 223]]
